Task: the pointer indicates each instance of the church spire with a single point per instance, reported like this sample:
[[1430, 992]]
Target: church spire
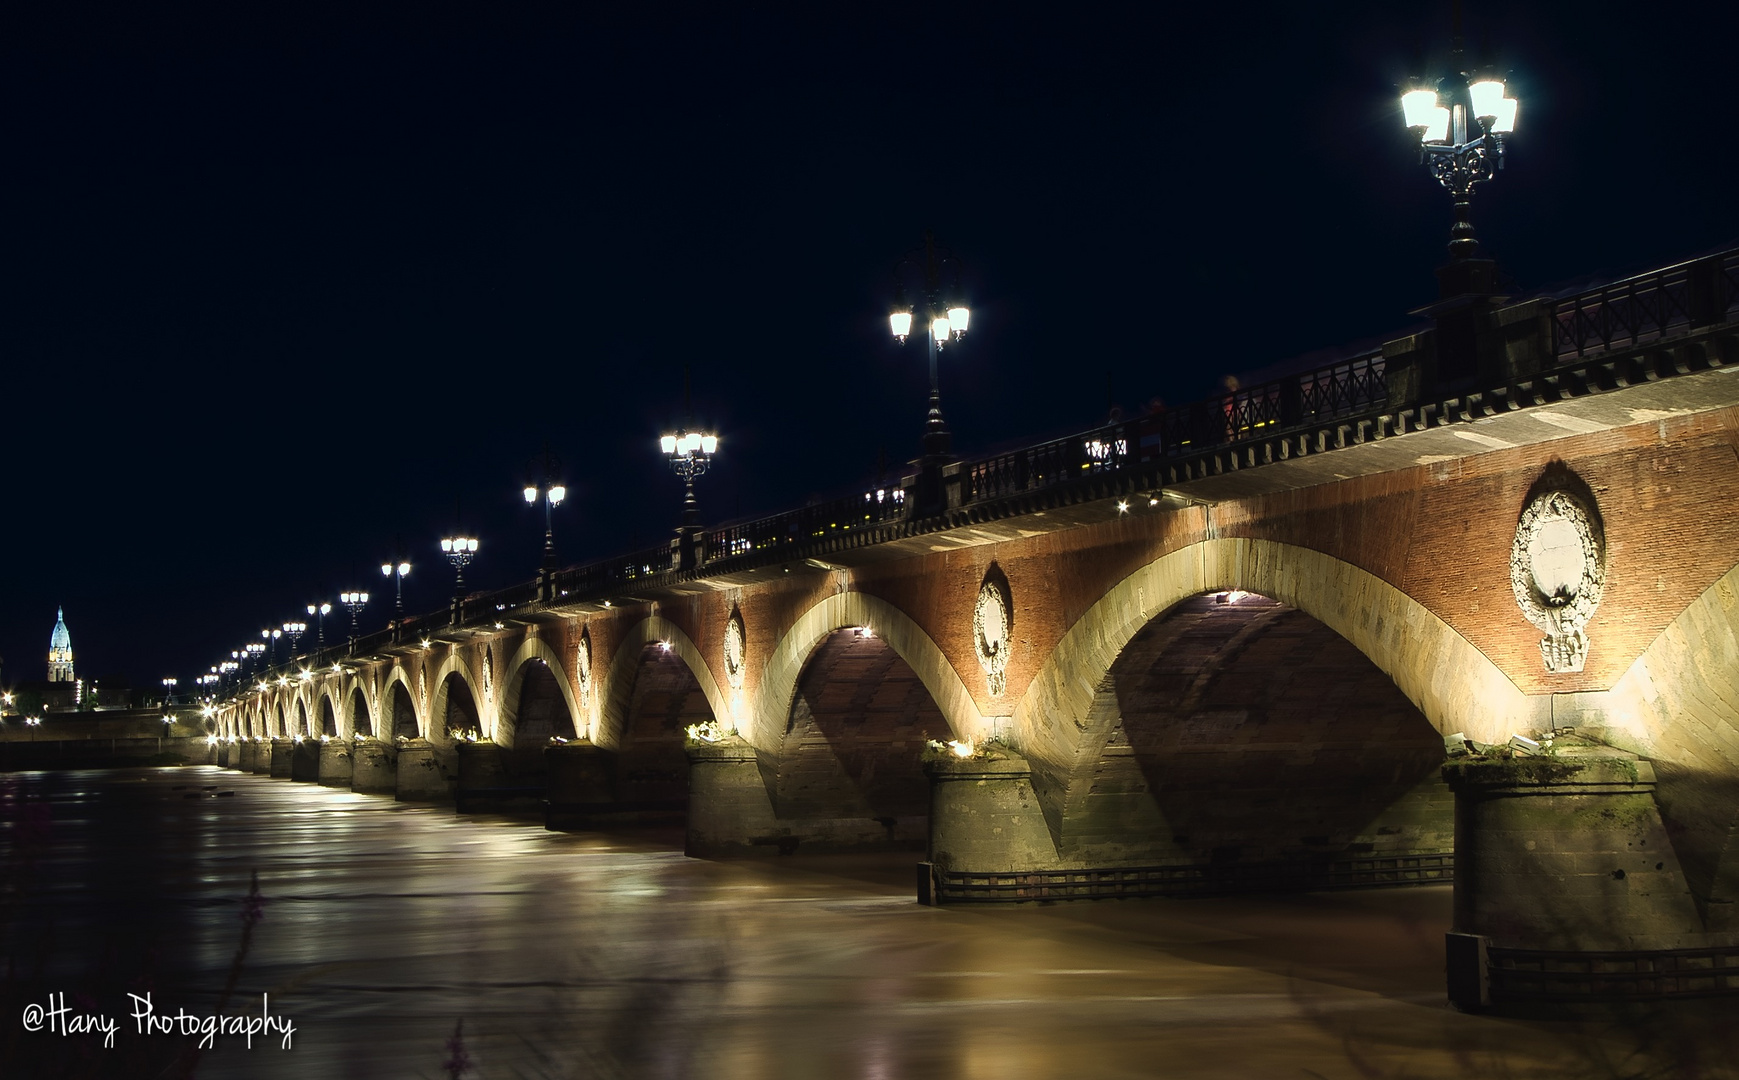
[[60, 650]]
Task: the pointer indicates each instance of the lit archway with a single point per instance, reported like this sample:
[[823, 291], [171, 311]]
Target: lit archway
[[891, 626], [1452, 683]]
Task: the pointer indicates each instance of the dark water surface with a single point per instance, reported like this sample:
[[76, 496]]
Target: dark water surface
[[613, 955]]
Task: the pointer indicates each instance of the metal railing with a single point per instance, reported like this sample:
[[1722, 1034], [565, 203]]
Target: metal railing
[[833, 517], [1341, 389], [593, 578], [1542, 975], [1647, 307]]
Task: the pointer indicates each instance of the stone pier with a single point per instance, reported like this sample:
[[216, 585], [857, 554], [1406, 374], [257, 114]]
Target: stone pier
[[486, 783], [984, 820], [421, 775], [283, 755], [579, 785], [374, 767], [305, 760], [1564, 875], [336, 763], [729, 811]]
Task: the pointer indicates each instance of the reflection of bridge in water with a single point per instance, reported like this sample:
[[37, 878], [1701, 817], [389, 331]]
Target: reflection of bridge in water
[[1213, 649], [607, 954]]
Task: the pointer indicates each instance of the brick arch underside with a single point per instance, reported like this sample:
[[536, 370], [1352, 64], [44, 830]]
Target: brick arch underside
[[328, 719], [359, 721], [650, 767], [1242, 734], [455, 708], [400, 712], [1452, 683], [854, 738], [533, 709]]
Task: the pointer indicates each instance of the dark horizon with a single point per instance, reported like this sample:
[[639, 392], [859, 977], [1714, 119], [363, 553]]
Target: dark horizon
[[282, 287]]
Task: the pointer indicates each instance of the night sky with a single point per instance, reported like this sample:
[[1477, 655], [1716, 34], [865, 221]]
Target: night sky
[[280, 285]]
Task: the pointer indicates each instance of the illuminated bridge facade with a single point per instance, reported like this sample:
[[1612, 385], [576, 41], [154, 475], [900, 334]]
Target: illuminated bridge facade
[[1465, 607]]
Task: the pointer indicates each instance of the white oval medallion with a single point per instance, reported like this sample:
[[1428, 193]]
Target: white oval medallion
[[583, 667], [735, 665], [1558, 573], [990, 635]]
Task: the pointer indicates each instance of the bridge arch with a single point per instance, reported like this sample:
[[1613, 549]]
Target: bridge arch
[[1454, 684], [302, 726], [532, 652], [328, 717], [625, 662], [330, 696], [435, 724], [361, 719], [282, 731], [765, 725], [398, 710]]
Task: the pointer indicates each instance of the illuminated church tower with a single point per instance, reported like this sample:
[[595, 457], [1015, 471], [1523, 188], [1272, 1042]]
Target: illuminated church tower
[[60, 650]]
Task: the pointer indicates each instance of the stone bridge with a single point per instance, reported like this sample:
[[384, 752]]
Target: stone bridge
[[1464, 607]]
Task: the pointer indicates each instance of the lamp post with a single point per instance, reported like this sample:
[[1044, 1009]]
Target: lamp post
[[397, 570], [271, 643], [1457, 160], [460, 550], [355, 601], [943, 306], [319, 612], [1461, 156], [254, 651], [168, 690], [295, 630], [1462, 124], [690, 452], [553, 492]]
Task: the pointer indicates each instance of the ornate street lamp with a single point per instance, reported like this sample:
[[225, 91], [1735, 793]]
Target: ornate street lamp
[[295, 630], [271, 645], [689, 452], [254, 651], [553, 493], [355, 601], [945, 316], [168, 689], [319, 612], [1460, 155], [397, 570], [460, 550]]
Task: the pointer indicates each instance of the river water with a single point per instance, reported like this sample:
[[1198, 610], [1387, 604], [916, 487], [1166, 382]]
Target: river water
[[383, 926]]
